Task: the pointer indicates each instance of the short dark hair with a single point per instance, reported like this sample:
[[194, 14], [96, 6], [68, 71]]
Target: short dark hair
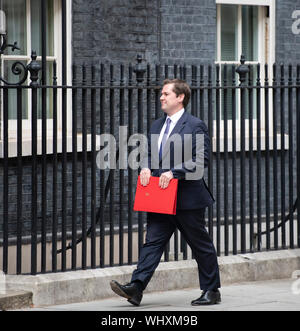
[[180, 87]]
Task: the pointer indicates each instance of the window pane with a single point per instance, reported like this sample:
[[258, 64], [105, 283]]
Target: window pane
[[226, 98], [229, 33], [49, 93], [12, 93], [250, 32], [254, 93], [36, 27], [15, 12]]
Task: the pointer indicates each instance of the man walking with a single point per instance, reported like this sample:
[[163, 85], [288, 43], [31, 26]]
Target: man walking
[[192, 199]]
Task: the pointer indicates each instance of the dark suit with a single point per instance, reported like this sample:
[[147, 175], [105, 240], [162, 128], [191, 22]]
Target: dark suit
[[192, 199]]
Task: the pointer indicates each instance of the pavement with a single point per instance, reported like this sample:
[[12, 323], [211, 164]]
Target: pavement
[[269, 295]]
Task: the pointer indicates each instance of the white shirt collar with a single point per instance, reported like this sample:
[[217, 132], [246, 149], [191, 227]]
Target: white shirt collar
[[175, 117]]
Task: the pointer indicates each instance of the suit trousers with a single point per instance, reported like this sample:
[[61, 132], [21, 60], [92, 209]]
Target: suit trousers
[[191, 224]]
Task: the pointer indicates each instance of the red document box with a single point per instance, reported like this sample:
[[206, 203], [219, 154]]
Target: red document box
[[152, 198]]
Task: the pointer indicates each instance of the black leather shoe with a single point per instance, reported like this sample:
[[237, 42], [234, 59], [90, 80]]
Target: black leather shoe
[[129, 291], [208, 298]]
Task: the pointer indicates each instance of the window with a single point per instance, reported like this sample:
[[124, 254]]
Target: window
[[245, 27], [238, 35], [23, 26], [248, 28]]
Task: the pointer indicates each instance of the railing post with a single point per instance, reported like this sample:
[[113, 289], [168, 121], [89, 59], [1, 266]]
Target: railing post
[[74, 166], [257, 241], [243, 70], [34, 67], [298, 152], [233, 154], [54, 170], [102, 172], [251, 177], [93, 170], [194, 108], [210, 132], [267, 157], [112, 171], [44, 91], [218, 159], [139, 70], [275, 168], [291, 154], [130, 171], [122, 175], [5, 179], [84, 168], [19, 180], [225, 173], [282, 153]]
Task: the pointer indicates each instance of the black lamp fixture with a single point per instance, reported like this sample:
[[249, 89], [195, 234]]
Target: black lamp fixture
[[3, 39], [18, 68]]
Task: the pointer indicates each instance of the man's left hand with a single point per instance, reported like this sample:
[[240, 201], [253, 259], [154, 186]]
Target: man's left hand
[[165, 178]]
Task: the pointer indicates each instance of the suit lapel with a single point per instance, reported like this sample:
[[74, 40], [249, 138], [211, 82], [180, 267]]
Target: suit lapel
[[177, 129], [180, 124]]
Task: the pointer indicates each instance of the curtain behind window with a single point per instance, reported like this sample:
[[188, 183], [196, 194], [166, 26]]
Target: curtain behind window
[[250, 32], [36, 28], [229, 33]]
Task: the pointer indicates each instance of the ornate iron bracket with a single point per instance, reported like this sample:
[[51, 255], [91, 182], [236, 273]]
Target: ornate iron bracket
[[18, 68], [6, 45]]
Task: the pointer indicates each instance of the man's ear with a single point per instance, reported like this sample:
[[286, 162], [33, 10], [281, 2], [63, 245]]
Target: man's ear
[[181, 96]]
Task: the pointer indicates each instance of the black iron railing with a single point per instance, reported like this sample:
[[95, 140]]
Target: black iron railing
[[62, 212]]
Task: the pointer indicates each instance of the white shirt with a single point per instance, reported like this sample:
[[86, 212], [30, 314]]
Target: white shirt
[[174, 119]]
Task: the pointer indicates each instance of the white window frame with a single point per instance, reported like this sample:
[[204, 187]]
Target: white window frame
[[26, 124], [261, 59], [272, 23]]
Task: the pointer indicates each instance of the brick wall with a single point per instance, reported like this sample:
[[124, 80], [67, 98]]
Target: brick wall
[[115, 30], [167, 30], [170, 30], [188, 31], [287, 43]]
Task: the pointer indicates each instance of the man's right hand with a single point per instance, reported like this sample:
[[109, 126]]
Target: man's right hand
[[145, 175]]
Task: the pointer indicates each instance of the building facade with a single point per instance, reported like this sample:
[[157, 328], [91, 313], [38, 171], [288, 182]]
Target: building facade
[[164, 32]]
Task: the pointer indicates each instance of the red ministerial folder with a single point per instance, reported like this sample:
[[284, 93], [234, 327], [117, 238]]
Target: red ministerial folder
[[153, 199]]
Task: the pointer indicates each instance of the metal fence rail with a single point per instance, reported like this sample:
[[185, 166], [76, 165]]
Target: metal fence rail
[[62, 212]]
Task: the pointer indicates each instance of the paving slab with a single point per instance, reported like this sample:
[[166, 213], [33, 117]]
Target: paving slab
[[15, 299], [93, 284], [278, 295]]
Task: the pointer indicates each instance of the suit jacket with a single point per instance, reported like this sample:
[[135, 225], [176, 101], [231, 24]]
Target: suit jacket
[[192, 194]]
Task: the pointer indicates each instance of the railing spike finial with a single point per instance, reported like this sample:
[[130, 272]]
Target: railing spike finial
[[242, 70], [34, 67], [139, 70]]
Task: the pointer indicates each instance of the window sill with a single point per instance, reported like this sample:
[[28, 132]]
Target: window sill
[[247, 143], [26, 145]]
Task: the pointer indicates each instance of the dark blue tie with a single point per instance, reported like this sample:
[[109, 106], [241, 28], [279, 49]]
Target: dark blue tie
[[164, 138]]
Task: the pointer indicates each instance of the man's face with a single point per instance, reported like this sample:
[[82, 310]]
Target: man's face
[[170, 102]]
